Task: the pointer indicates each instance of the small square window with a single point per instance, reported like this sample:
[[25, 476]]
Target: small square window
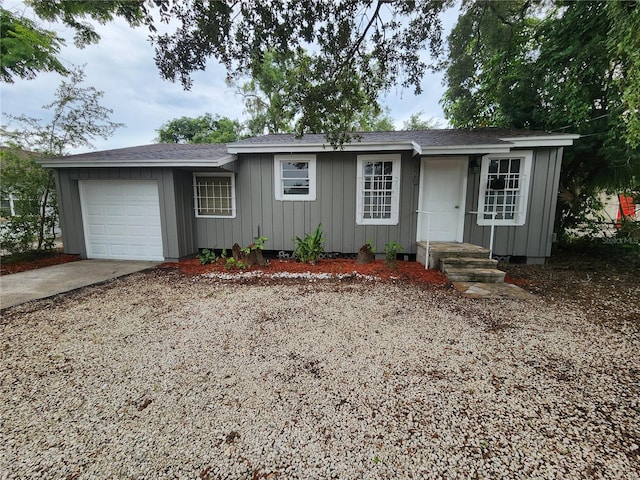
[[214, 195], [295, 177]]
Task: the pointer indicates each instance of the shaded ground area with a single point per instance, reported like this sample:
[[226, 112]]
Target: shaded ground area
[[605, 286], [167, 375]]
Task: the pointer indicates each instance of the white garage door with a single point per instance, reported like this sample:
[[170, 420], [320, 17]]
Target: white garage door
[[121, 219]]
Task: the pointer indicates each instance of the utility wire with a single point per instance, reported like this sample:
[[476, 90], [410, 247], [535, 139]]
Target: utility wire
[[585, 121]]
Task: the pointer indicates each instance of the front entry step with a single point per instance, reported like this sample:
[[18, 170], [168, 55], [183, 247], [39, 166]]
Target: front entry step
[[462, 262], [467, 262], [473, 274], [439, 250]]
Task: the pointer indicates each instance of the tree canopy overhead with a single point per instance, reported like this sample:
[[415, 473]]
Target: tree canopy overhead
[[559, 66], [272, 99], [26, 49], [203, 129], [355, 49], [76, 14]]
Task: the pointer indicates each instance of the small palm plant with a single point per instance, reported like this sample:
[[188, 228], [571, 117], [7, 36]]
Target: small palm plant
[[309, 248]]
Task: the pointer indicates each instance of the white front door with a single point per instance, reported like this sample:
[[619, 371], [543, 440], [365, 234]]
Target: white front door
[[121, 219], [443, 189]]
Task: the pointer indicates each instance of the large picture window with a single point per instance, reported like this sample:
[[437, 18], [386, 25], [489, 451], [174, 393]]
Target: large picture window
[[378, 192], [214, 195], [504, 188], [295, 177]]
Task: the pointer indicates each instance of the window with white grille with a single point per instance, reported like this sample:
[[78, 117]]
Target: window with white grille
[[378, 192], [214, 195], [504, 188]]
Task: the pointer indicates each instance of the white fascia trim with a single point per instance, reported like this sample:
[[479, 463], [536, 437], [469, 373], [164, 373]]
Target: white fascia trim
[[564, 140], [466, 149], [320, 147], [70, 163]]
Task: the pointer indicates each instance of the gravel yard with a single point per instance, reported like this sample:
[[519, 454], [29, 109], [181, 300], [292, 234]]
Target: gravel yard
[[164, 375]]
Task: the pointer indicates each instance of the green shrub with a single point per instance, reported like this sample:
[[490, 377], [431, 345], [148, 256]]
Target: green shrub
[[309, 248], [207, 256], [19, 234], [232, 264], [391, 251], [258, 244]]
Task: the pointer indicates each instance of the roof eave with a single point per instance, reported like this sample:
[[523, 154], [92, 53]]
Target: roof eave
[[465, 149], [322, 147], [561, 140], [69, 162]]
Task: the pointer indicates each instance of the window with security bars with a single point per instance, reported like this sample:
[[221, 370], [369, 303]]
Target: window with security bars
[[504, 190], [214, 195], [378, 200]]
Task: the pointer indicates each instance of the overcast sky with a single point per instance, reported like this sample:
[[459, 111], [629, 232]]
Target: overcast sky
[[122, 66]]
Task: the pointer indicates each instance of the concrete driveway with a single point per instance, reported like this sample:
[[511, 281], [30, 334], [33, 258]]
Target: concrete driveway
[[45, 282]]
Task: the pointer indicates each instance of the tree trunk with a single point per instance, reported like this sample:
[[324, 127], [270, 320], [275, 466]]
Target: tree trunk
[[41, 221]]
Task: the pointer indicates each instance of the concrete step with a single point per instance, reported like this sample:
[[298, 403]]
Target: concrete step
[[485, 275], [467, 262], [439, 250], [492, 290]]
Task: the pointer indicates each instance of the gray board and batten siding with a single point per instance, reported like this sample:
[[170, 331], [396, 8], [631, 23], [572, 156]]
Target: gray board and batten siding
[[534, 239], [260, 214]]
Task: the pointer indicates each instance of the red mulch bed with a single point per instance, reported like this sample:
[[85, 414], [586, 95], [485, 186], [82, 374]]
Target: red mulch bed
[[23, 266], [407, 271]]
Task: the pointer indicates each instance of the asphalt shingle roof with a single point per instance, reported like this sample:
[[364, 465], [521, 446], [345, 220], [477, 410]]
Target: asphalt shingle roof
[[159, 151], [209, 152], [439, 137]]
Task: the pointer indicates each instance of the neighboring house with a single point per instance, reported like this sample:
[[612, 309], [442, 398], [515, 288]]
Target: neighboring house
[[8, 206], [165, 201]]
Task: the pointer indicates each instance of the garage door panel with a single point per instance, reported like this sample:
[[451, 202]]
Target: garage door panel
[[122, 219], [95, 210], [136, 210], [99, 249], [114, 211], [119, 250], [97, 230], [116, 230], [136, 231]]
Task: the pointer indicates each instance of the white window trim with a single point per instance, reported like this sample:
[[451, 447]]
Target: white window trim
[[230, 175], [395, 192], [278, 160], [520, 216]]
